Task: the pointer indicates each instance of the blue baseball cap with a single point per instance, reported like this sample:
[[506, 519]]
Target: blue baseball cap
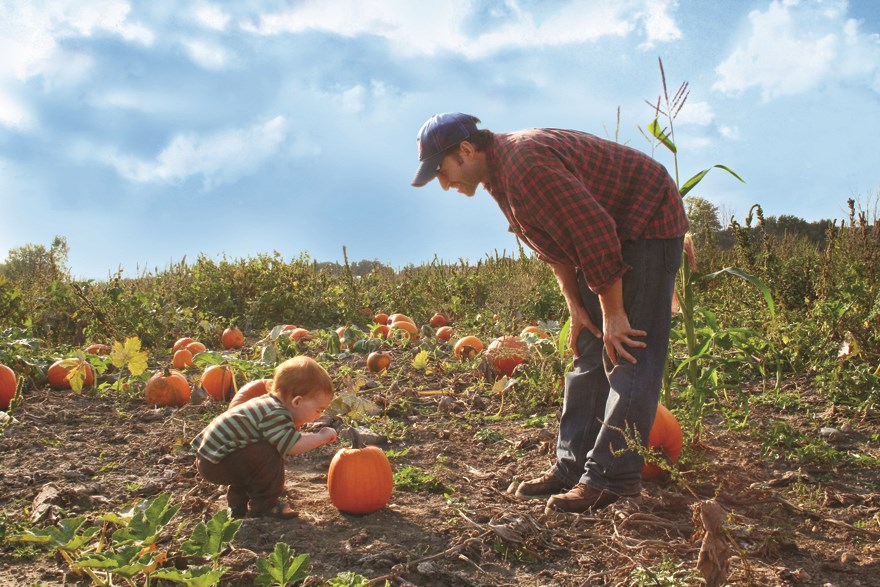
[[438, 134]]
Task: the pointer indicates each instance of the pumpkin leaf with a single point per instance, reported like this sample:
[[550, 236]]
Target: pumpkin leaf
[[281, 568], [199, 576], [65, 536], [146, 520], [213, 538], [129, 355], [420, 361], [351, 405]]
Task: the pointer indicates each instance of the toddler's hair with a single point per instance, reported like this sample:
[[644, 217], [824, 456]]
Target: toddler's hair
[[301, 376]]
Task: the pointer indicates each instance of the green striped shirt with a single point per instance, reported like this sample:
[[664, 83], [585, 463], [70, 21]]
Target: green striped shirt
[[262, 418]]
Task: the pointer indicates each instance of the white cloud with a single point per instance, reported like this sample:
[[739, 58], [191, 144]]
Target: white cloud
[[206, 54], [404, 25], [212, 17], [729, 132], [13, 112], [795, 46], [695, 113], [219, 158]]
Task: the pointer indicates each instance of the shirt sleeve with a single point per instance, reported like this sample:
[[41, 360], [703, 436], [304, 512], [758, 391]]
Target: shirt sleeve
[[564, 223], [279, 431]]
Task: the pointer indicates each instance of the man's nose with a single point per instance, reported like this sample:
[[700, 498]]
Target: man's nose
[[444, 183]]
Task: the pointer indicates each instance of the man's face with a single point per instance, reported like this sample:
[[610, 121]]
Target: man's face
[[458, 171]]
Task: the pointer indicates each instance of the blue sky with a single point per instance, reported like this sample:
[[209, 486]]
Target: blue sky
[[146, 132]]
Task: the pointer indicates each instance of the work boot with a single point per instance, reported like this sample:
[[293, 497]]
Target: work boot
[[581, 498], [546, 484]]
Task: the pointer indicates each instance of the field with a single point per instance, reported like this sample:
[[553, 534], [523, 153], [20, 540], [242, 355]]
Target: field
[[773, 377]]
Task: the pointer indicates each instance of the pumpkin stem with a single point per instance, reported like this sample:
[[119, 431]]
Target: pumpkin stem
[[356, 440]]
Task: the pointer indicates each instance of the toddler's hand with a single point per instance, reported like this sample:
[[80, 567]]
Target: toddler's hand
[[329, 435]]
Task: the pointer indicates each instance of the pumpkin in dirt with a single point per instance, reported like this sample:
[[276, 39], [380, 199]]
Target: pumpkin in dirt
[[360, 479], [665, 436], [444, 333], [437, 320], [182, 359], [506, 353], [249, 391], [59, 370], [167, 388], [217, 382], [298, 334], [467, 347], [195, 347], [181, 343], [8, 384], [380, 331], [232, 338], [98, 349], [378, 361], [398, 317]]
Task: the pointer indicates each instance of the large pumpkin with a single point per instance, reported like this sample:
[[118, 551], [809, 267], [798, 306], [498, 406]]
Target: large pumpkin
[[404, 328], [505, 353], [217, 382], [59, 370], [232, 338], [167, 388], [7, 386], [249, 391], [444, 333], [665, 436], [181, 343], [360, 479]]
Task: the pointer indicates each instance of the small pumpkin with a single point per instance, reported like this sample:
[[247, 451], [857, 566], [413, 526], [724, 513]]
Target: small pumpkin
[[404, 329], [360, 479], [444, 333], [182, 359], [195, 347], [437, 320], [249, 391], [181, 343], [167, 388], [58, 372], [232, 338], [8, 384], [532, 330], [298, 334], [98, 349], [380, 331], [217, 382], [467, 347], [665, 436], [506, 353], [381, 318], [378, 361]]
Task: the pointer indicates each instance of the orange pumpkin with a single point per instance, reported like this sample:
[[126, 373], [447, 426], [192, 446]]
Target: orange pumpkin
[[381, 318], [167, 388], [397, 317], [60, 369], [467, 348], [249, 391], [444, 333], [288, 328], [378, 361], [217, 382], [360, 479], [182, 359], [381, 331], [98, 349], [232, 338], [438, 320], [506, 353], [665, 436], [196, 347], [8, 385], [181, 343], [298, 334], [533, 330], [404, 329]]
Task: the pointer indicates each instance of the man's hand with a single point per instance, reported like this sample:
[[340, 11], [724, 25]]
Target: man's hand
[[580, 320], [618, 332]]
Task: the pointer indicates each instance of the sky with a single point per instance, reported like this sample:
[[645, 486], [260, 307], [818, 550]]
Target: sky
[[147, 133]]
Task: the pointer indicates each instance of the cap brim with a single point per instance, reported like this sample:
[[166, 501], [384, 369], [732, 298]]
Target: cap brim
[[427, 170]]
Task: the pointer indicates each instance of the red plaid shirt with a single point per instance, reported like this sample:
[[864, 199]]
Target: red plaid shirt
[[573, 198]]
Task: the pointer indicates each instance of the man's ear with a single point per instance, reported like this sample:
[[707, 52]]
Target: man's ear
[[467, 148]]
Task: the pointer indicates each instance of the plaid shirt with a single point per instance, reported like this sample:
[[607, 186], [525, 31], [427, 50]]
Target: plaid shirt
[[573, 198]]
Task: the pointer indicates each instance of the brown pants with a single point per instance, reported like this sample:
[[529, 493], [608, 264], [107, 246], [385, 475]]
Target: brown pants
[[254, 474]]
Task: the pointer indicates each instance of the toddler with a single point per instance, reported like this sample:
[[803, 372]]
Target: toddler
[[244, 447]]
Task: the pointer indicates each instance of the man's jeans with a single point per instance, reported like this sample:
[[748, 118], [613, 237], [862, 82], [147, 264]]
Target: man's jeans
[[601, 399]]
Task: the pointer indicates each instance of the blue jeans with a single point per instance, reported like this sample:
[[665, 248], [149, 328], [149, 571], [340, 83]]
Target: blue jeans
[[601, 399]]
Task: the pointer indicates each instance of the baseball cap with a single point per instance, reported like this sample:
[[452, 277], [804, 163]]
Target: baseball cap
[[439, 133]]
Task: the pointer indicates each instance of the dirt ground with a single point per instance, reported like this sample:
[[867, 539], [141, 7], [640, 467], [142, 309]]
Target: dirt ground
[[85, 454]]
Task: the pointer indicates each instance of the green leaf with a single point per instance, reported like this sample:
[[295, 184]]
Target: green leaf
[[661, 136], [692, 182], [563, 338], [65, 536], [280, 568], [200, 576], [213, 538], [146, 520], [762, 287], [126, 562], [420, 361]]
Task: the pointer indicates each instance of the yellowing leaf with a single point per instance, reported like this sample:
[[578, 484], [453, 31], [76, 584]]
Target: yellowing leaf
[[420, 361], [77, 376], [129, 355]]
